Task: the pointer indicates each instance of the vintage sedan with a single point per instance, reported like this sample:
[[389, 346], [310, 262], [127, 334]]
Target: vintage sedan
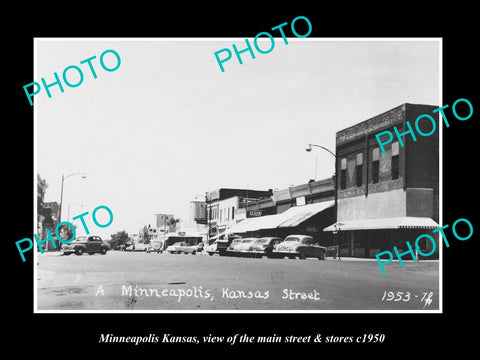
[[263, 246], [176, 248], [232, 247], [301, 246], [137, 247], [86, 244], [189, 249], [212, 248], [242, 248]]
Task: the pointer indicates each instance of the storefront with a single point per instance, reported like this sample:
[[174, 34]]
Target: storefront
[[308, 219], [365, 238]]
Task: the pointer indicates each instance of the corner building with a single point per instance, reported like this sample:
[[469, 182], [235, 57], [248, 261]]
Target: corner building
[[385, 200]]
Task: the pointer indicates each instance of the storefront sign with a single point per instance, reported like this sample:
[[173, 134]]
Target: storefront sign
[[300, 201], [254, 213]]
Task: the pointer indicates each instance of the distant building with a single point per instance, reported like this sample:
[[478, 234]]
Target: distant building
[[54, 210], [387, 199], [222, 205], [198, 211], [164, 223]]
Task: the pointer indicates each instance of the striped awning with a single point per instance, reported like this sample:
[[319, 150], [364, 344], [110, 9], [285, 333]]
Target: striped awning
[[406, 222]]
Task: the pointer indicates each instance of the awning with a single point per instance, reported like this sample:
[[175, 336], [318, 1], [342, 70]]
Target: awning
[[289, 218], [299, 214], [407, 222]]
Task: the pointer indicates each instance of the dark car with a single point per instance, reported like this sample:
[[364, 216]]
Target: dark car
[[263, 246], [86, 244]]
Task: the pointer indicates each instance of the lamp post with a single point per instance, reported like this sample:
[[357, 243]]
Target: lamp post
[[335, 180], [61, 193]]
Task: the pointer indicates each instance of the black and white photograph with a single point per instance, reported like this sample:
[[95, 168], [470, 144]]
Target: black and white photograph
[[195, 181], [223, 180]]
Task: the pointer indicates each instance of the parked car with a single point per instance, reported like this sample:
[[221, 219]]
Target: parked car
[[230, 251], [154, 245], [223, 243], [86, 244], [263, 246], [136, 247], [242, 248], [212, 248], [189, 249], [301, 246], [176, 248]]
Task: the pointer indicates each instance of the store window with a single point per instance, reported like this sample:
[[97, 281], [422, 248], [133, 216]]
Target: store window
[[359, 170], [343, 174], [395, 160], [376, 165]]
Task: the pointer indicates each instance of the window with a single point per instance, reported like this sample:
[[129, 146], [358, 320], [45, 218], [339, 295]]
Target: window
[[376, 165], [233, 212], [343, 174], [395, 160], [359, 170]]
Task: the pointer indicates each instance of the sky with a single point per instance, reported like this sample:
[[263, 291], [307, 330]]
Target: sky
[[168, 125]]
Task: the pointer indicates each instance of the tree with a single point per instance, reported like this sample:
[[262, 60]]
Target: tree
[[172, 221], [146, 235], [121, 238], [66, 232]]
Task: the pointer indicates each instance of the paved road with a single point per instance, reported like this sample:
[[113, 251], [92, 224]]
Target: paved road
[[140, 281]]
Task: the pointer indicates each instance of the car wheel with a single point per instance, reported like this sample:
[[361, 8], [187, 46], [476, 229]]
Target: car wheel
[[79, 251], [194, 252], [66, 254], [90, 253], [291, 256], [210, 253], [103, 251], [302, 256]]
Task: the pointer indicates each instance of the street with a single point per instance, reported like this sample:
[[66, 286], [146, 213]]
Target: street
[[122, 281]]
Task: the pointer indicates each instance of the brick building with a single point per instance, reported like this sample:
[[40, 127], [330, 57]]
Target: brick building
[[384, 200]]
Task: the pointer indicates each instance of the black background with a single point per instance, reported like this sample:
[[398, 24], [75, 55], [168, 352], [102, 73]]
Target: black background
[[59, 335]]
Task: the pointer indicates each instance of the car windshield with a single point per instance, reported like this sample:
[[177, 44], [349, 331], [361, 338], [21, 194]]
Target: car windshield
[[81, 238], [292, 238], [236, 241], [246, 241]]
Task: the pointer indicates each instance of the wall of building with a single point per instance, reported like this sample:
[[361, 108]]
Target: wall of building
[[375, 206], [420, 202], [422, 156]]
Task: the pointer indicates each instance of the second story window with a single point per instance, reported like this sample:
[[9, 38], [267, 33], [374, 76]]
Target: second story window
[[343, 174], [395, 160], [376, 165], [359, 170]]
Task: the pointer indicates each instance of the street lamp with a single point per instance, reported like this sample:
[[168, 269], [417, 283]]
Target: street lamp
[[309, 148], [61, 193], [337, 229]]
